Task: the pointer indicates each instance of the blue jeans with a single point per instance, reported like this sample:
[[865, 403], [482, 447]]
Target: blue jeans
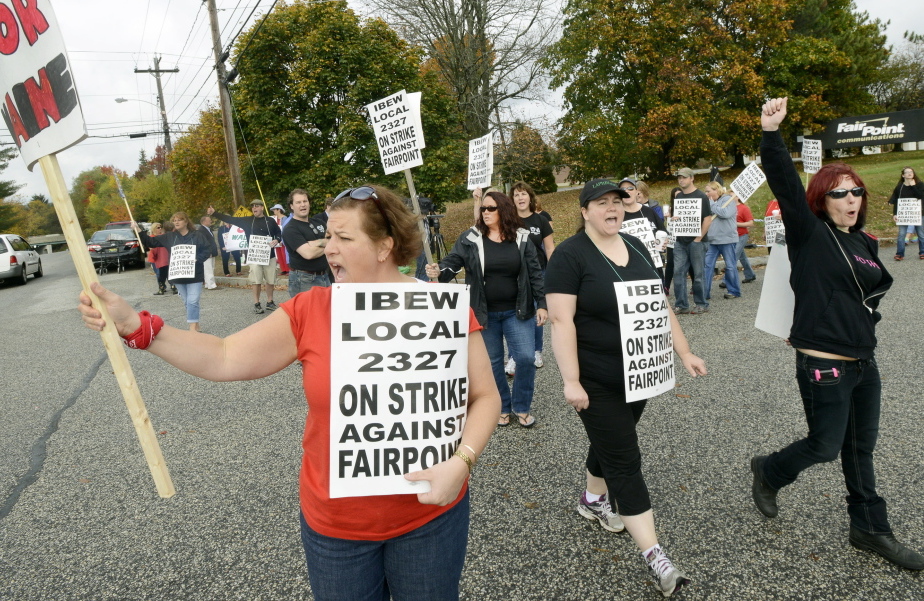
[[743, 258], [299, 281], [842, 413], [688, 253], [423, 565], [521, 345], [731, 267], [905, 229], [190, 293]]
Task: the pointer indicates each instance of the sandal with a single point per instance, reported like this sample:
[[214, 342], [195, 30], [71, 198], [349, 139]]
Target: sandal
[[921, 256], [527, 420], [899, 257], [503, 420]]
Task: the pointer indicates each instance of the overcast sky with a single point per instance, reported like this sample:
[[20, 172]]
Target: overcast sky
[[107, 40]]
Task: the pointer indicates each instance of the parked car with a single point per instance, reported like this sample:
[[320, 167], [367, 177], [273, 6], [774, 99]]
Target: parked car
[[115, 247], [18, 260]]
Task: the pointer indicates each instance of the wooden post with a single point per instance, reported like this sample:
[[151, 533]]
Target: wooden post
[[111, 340], [420, 223]]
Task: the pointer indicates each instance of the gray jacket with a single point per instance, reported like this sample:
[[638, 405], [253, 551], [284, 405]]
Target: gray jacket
[[724, 228], [468, 252]]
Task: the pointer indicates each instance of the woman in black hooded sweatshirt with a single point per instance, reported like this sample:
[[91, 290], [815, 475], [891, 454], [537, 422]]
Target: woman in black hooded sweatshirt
[[838, 281]]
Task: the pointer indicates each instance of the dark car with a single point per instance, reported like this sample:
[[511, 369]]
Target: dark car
[[115, 248]]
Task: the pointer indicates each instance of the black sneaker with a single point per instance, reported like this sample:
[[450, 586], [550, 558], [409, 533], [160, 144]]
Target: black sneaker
[[764, 496], [257, 308], [271, 306]]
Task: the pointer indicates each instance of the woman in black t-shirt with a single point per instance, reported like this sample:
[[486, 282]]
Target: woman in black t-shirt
[[540, 234], [587, 339], [506, 293], [908, 187]]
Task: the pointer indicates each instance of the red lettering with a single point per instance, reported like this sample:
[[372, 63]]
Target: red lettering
[[31, 18], [42, 98], [9, 31], [14, 122]]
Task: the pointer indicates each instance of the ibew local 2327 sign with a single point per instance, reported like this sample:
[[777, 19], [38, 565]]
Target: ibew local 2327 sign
[[39, 104]]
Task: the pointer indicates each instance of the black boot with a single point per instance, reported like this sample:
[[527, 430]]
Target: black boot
[[161, 290], [889, 548], [764, 496], [173, 289]]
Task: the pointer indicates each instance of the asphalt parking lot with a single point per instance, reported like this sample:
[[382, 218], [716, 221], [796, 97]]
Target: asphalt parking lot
[[86, 523]]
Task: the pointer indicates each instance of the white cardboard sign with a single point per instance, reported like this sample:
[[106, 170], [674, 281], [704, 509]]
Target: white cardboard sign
[[647, 343], [480, 161], [398, 133], [688, 222], [909, 211], [39, 101], [259, 250], [811, 155], [747, 183], [641, 229], [182, 262], [773, 227], [777, 301], [399, 384], [235, 239]]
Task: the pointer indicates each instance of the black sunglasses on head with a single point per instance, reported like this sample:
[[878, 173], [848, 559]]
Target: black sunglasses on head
[[488, 208], [365, 193], [842, 193]]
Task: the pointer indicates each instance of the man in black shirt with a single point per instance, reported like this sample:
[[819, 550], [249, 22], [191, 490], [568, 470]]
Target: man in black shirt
[[691, 250], [304, 237], [208, 266]]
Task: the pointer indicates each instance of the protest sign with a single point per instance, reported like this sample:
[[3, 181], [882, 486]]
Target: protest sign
[[777, 301], [399, 384], [688, 222], [182, 261], [811, 155], [641, 229], [42, 112], [909, 211], [396, 125], [40, 105], [747, 183], [259, 250], [480, 161], [773, 230], [647, 344], [235, 239]]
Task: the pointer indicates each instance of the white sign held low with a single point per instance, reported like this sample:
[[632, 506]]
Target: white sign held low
[[777, 301], [909, 211], [647, 344], [811, 155], [399, 384], [398, 133], [182, 262], [259, 250], [748, 182], [688, 221]]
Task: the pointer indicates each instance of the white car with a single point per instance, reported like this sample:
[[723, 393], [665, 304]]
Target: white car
[[18, 260]]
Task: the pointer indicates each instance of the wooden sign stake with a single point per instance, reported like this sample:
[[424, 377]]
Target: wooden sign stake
[[420, 223], [111, 340]]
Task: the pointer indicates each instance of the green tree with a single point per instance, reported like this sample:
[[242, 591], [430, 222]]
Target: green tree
[[7, 188], [199, 163], [304, 82], [902, 87], [527, 158], [11, 215]]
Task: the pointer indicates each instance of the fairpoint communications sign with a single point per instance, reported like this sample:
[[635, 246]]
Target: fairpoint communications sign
[[873, 130]]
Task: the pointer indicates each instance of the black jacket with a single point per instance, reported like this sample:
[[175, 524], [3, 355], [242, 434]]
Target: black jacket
[[202, 242], [468, 252], [253, 226], [832, 313]]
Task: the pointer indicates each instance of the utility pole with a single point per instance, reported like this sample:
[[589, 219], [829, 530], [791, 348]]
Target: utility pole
[[234, 168], [156, 71]]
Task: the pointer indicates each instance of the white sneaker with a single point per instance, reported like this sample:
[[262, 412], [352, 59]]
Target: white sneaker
[[667, 578], [538, 362], [511, 367], [602, 512]]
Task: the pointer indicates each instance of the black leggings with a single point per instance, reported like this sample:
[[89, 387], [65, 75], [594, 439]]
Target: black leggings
[[614, 454]]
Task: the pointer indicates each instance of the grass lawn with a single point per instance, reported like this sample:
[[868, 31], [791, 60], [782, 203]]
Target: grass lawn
[[880, 173]]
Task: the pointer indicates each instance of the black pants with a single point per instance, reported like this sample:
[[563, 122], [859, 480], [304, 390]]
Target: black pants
[[614, 454], [237, 260]]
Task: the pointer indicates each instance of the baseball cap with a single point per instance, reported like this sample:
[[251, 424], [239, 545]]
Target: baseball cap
[[685, 172], [256, 201], [596, 188], [627, 179]]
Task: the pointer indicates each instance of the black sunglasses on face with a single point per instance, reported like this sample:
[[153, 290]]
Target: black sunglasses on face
[[365, 193], [488, 208], [842, 193]]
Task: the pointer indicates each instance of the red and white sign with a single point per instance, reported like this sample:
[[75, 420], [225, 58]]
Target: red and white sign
[[40, 106]]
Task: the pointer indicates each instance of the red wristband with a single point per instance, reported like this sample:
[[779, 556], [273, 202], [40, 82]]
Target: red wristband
[[144, 335]]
